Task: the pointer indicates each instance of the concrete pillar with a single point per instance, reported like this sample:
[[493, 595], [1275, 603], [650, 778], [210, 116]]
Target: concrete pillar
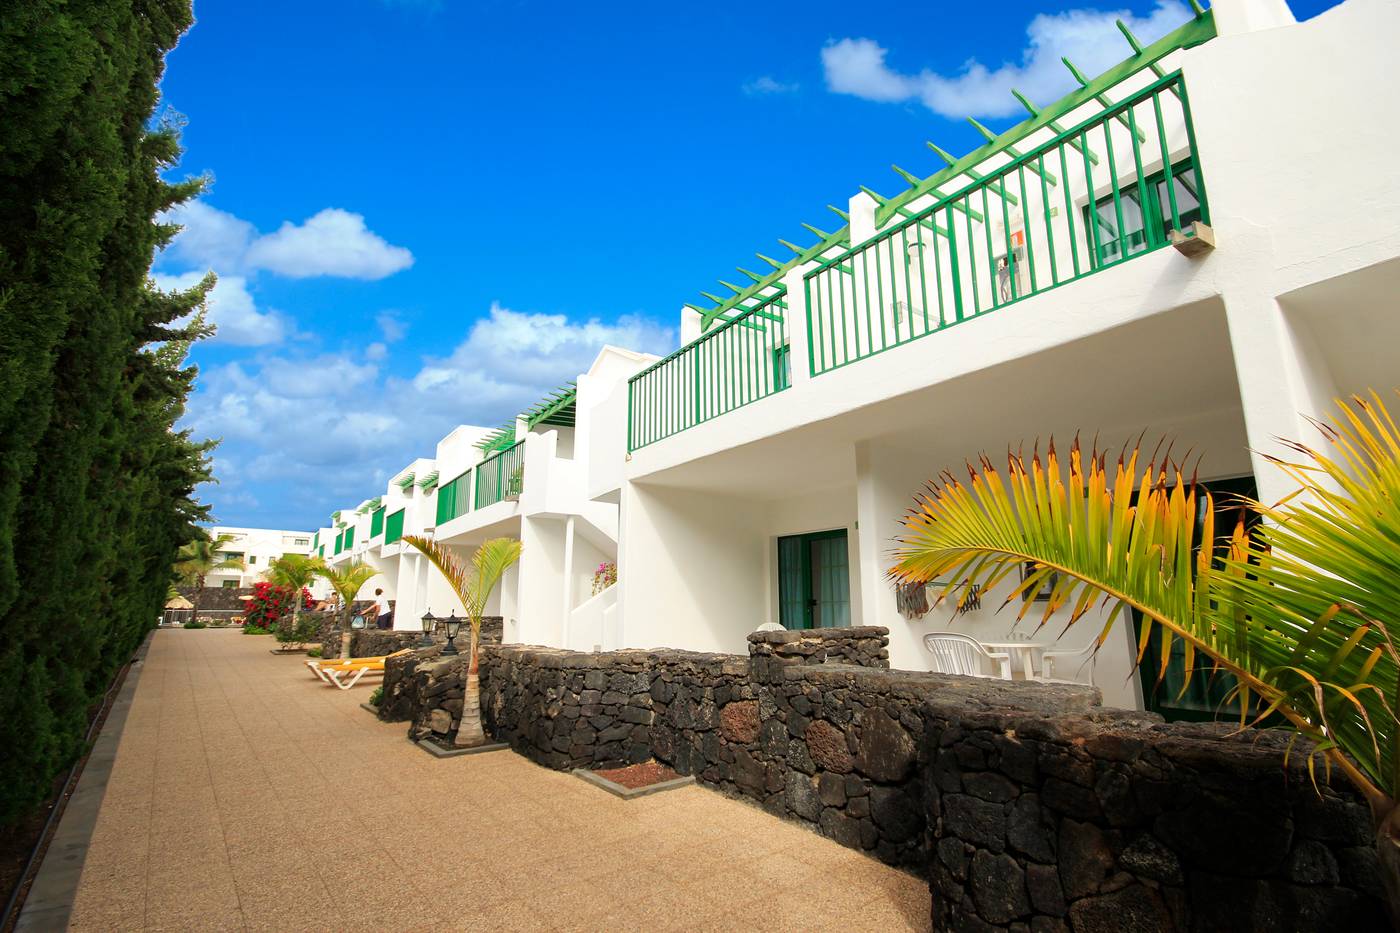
[[1283, 381], [690, 325], [799, 356], [1234, 17], [566, 590]]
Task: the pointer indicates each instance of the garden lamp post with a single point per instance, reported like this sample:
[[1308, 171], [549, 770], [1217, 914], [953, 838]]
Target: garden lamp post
[[429, 623], [454, 625]]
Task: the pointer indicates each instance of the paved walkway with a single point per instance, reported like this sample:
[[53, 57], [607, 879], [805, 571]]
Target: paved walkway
[[245, 795]]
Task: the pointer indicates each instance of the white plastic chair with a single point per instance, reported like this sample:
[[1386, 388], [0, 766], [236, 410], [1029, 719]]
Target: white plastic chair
[[962, 654], [1068, 665]]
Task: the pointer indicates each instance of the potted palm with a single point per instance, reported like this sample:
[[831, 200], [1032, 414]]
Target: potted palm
[[347, 582], [295, 572], [473, 585], [1304, 611]]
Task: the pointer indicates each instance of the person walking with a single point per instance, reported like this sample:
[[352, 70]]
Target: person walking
[[384, 616]]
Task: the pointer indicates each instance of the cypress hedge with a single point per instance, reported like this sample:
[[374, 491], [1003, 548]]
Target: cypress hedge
[[97, 487]]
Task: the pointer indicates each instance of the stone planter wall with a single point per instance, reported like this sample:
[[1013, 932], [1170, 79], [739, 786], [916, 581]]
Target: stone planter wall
[[1030, 807], [863, 646], [1117, 821], [373, 642]]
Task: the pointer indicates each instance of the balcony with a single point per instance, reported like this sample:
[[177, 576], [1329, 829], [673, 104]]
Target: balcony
[[739, 362], [1113, 188], [1014, 220]]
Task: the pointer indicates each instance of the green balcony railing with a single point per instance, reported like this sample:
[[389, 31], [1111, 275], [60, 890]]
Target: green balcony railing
[[454, 499], [393, 527], [1100, 193], [501, 476], [739, 362]]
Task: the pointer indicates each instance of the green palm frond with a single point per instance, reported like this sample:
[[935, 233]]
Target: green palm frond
[[295, 570], [472, 583], [347, 581], [1302, 614]]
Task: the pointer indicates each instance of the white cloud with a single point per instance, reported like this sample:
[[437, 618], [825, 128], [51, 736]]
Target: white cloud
[[233, 310], [390, 326], [332, 242], [1088, 37], [211, 238], [768, 84], [306, 434]]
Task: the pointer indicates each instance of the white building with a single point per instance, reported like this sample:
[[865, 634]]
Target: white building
[[525, 481], [256, 547], [1202, 243]]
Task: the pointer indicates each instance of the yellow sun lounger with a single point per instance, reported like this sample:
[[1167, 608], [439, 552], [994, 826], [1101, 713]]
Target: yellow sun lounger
[[322, 669]]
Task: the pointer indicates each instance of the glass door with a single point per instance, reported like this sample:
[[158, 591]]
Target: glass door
[[1204, 697], [814, 584]]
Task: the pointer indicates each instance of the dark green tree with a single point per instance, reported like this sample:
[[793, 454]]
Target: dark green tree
[[96, 485]]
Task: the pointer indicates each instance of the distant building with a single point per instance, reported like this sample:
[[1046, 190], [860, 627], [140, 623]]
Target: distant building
[[257, 548]]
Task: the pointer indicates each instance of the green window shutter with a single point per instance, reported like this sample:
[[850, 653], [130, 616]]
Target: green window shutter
[[376, 522], [340, 542], [444, 502], [393, 528], [349, 537]]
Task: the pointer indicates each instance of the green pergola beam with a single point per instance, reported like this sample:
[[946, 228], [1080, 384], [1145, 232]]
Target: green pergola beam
[[971, 172], [1055, 127], [1102, 98], [1136, 46], [844, 215], [1198, 30], [557, 407], [1012, 151], [753, 276], [839, 238], [935, 193]]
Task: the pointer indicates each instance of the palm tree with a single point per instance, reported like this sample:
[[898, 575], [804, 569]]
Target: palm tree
[[473, 585], [201, 557], [296, 571], [347, 582], [1304, 612]]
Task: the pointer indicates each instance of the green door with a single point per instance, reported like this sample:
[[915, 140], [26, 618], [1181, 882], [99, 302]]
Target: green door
[[1204, 698], [814, 583]]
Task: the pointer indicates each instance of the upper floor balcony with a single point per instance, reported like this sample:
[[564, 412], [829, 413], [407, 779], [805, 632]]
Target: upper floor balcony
[[1100, 179]]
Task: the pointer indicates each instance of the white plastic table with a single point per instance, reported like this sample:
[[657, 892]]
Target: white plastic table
[[1025, 651]]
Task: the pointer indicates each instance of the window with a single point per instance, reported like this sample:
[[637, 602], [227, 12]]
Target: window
[[301, 542], [1144, 226], [252, 559], [782, 368], [230, 584]]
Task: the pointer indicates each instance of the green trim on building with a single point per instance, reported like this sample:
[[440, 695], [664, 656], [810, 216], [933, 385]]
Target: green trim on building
[[393, 527]]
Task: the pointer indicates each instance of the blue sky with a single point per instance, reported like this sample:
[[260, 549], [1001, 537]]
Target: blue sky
[[427, 214]]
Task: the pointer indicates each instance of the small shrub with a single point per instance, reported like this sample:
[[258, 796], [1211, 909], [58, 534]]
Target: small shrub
[[308, 626], [377, 695], [195, 623], [219, 623], [256, 630], [313, 652]]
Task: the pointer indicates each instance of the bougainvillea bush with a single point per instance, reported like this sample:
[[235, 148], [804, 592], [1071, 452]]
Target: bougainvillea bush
[[269, 604], [604, 577]]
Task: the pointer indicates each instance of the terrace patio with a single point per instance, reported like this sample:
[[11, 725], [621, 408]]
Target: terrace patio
[[245, 795]]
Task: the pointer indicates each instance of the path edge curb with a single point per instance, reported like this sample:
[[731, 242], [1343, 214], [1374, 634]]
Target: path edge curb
[[49, 904]]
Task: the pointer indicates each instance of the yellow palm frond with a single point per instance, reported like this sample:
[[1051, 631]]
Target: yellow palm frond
[[1302, 613]]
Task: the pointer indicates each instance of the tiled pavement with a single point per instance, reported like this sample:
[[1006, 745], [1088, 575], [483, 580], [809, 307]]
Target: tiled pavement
[[246, 795]]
